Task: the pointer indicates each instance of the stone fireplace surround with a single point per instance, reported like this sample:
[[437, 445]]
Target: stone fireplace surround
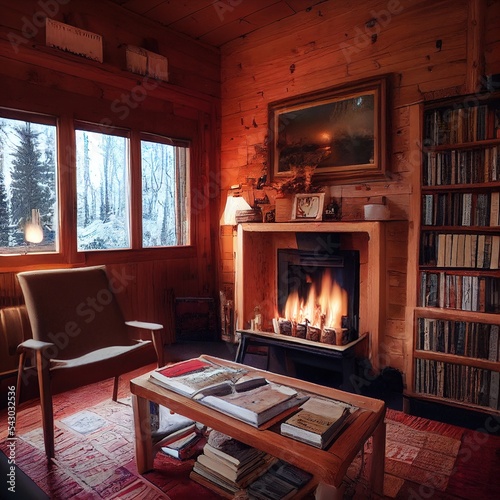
[[256, 275]]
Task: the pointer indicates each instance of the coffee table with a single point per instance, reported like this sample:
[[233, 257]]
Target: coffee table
[[327, 466]]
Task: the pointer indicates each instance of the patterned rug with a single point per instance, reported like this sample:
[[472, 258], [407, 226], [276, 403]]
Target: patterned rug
[[95, 457]]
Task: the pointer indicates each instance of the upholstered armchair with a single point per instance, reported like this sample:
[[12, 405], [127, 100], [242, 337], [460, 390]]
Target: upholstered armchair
[[80, 336]]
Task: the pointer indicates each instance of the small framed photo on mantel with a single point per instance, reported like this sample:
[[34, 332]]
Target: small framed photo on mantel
[[308, 207]]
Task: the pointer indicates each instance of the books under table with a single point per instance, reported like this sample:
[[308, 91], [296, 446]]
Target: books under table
[[318, 421], [234, 392], [183, 448], [228, 466]]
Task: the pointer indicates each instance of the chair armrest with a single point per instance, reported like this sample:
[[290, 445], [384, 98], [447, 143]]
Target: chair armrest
[[144, 325], [33, 345], [156, 335]]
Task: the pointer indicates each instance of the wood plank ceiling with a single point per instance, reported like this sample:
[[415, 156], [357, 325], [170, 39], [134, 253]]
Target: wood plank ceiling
[[216, 22]]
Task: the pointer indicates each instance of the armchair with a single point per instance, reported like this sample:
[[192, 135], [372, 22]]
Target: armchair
[[79, 336]]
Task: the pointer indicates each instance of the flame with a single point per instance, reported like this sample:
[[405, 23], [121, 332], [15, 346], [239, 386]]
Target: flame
[[323, 307]]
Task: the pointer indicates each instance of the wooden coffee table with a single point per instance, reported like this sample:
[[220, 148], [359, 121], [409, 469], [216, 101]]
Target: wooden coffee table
[[327, 466]]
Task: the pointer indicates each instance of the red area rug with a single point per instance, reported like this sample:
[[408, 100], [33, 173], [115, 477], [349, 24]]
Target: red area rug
[[95, 456]]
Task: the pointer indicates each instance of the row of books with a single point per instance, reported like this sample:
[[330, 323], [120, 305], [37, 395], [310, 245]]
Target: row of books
[[468, 384], [461, 166], [461, 209], [460, 124], [461, 292], [480, 251], [228, 467], [461, 338]]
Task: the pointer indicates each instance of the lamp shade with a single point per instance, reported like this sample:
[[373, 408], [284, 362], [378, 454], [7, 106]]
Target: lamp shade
[[233, 203]]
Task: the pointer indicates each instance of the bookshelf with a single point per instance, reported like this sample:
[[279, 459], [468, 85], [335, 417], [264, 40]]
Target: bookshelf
[[456, 344]]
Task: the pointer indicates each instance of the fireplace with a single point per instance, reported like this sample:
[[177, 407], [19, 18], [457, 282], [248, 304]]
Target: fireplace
[[257, 263], [318, 293]]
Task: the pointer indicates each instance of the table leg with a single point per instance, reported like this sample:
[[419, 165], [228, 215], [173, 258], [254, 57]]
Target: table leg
[[142, 427], [378, 459]]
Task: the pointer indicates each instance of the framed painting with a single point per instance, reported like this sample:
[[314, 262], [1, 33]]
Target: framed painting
[[341, 131], [308, 207]]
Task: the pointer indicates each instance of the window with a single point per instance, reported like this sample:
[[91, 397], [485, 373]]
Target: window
[[28, 184], [165, 220], [120, 205], [102, 190]]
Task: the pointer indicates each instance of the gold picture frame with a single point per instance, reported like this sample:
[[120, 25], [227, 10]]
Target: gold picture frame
[[308, 207], [342, 131]]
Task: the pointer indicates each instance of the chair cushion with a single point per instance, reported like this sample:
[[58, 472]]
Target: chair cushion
[[99, 355]]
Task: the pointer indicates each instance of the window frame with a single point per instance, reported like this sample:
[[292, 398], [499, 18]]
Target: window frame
[[137, 127]]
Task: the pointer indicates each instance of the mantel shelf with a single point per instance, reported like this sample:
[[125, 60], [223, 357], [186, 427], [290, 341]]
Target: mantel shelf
[[313, 227]]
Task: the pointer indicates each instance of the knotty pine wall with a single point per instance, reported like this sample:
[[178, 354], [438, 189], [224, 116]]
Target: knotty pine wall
[[34, 77], [432, 49]]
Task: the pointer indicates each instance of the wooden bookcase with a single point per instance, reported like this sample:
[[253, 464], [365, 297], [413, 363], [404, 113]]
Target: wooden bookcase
[[455, 354]]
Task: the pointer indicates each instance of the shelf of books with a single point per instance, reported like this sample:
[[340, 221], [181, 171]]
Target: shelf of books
[[456, 357]]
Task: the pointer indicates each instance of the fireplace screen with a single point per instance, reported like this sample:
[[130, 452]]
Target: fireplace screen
[[318, 294]]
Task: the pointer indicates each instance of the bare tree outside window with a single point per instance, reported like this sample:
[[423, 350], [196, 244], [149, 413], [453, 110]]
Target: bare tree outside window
[[165, 220], [102, 191]]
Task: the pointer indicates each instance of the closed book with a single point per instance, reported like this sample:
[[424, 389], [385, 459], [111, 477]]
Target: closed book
[[170, 422], [256, 406], [317, 422], [183, 448], [493, 343], [229, 449], [290, 473], [215, 484], [229, 472], [218, 475], [495, 209], [270, 487]]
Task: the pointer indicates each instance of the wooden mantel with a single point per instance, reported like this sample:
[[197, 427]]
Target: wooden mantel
[[256, 276]]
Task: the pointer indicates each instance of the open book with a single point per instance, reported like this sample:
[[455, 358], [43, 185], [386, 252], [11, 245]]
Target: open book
[[232, 391], [193, 376], [258, 405], [318, 421]]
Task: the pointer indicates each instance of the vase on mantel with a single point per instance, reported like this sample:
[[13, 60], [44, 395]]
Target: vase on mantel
[[284, 206]]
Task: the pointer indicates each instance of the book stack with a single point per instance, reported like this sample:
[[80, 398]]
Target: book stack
[[318, 421], [228, 465]]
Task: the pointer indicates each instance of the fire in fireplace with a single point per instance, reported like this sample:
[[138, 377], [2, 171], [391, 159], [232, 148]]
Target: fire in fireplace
[[318, 294]]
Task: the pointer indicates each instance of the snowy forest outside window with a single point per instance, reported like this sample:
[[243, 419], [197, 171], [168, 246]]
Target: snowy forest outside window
[[165, 166], [28, 183], [103, 220]]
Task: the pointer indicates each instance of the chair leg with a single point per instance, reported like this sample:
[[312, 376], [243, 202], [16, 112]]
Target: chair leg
[[20, 368], [46, 403], [115, 388]]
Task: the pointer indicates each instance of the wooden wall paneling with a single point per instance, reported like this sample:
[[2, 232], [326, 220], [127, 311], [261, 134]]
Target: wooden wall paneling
[[191, 64], [475, 45], [491, 40]]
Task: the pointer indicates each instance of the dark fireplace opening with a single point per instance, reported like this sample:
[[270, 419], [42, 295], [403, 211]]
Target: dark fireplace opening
[[318, 293]]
